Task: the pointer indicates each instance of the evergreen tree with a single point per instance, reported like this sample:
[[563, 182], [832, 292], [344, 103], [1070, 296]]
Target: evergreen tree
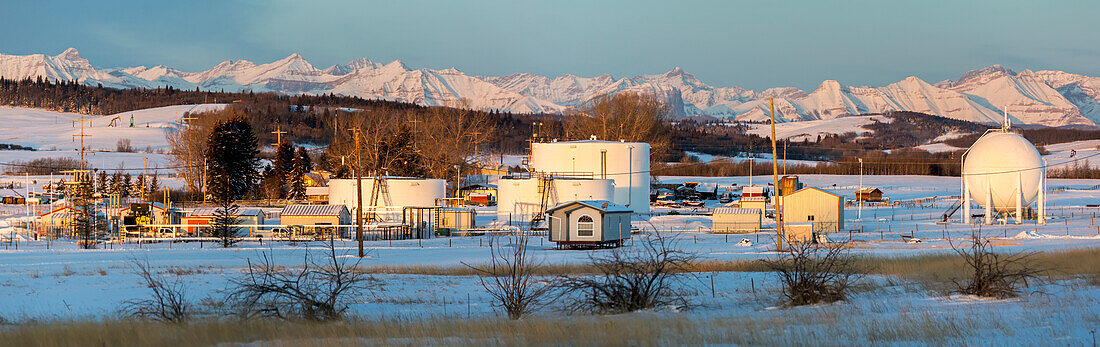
[[231, 173], [154, 187], [85, 225], [103, 185], [304, 160], [126, 186], [284, 164], [116, 183], [297, 183]]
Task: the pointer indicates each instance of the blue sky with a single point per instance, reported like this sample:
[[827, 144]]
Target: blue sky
[[752, 44]]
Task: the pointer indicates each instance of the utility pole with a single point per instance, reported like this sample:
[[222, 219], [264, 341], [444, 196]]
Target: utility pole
[[775, 190], [278, 135], [859, 214], [358, 191]]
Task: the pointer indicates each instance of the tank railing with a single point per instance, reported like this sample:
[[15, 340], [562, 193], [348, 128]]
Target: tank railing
[[554, 175]]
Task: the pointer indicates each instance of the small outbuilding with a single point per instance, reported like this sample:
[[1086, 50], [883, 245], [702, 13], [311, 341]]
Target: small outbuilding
[[202, 217], [317, 195], [735, 220], [454, 220], [595, 223], [315, 215], [61, 218], [869, 194], [824, 210]]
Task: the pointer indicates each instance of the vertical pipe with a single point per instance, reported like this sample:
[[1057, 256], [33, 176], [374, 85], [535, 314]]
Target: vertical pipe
[[1043, 194], [630, 175], [988, 201], [966, 200], [1019, 198]]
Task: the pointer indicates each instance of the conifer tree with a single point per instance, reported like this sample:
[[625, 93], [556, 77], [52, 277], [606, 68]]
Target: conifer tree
[[154, 187], [302, 166], [231, 172]]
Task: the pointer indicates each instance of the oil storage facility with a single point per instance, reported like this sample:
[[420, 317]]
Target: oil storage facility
[[626, 164]]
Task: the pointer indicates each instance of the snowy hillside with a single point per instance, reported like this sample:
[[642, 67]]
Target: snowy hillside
[[48, 130], [1052, 98]]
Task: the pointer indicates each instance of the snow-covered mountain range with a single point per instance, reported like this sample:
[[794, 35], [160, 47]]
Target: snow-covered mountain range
[[1052, 98]]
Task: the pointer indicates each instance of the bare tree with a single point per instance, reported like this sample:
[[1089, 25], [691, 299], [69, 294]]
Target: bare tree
[[627, 279], [623, 116], [123, 145], [188, 146], [510, 278], [166, 303], [997, 275], [814, 273], [318, 290]]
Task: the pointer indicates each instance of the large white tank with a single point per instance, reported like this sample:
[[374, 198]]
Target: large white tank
[[1003, 164], [399, 192], [625, 163], [520, 199]]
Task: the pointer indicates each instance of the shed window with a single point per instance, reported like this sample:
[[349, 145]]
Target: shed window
[[585, 226], [810, 218]]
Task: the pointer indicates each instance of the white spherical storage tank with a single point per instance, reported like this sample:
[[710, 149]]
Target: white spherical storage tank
[[399, 192], [520, 199], [625, 163], [1003, 166]]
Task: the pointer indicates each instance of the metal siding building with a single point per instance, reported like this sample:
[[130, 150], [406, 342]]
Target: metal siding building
[[315, 215], [735, 220], [811, 205]]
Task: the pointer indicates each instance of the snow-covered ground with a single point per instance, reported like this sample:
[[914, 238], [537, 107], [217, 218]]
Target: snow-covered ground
[[809, 130], [48, 130], [66, 282]]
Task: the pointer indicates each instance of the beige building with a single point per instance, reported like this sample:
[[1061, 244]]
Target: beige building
[[735, 220], [756, 202], [824, 210], [315, 215], [589, 223]]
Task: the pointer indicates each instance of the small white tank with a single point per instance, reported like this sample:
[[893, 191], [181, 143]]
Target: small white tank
[[625, 163], [1002, 164], [520, 199]]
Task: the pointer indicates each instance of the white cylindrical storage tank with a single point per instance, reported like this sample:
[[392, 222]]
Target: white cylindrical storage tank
[[1003, 165], [519, 200], [398, 193], [625, 163]]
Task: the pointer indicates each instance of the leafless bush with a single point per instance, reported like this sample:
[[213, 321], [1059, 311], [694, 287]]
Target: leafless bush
[[166, 303], [814, 273], [510, 278], [319, 290], [123, 145], [995, 275], [642, 276]]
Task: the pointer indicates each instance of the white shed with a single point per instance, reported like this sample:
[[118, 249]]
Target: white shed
[[824, 210], [589, 223], [735, 220]]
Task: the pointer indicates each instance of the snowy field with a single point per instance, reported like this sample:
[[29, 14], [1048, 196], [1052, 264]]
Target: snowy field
[[809, 130], [48, 130], [60, 281]]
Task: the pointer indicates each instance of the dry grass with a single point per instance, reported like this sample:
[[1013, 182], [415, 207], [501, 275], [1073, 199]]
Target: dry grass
[[922, 268], [837, 326]]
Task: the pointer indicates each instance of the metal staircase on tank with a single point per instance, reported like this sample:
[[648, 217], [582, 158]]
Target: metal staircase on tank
[[546, 187], [951, 210], [380, 189]]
